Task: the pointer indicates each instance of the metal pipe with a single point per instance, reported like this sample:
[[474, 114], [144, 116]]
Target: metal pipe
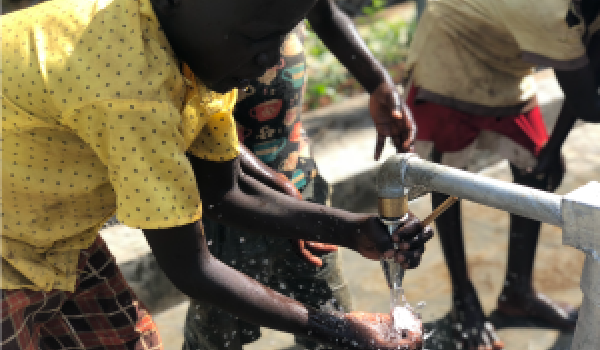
[[403, 171], [577, 213]]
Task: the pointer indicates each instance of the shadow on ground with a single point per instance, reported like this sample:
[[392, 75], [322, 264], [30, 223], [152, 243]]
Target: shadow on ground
[[442, 331]]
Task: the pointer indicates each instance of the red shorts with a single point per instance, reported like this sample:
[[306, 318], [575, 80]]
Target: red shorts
[[102, 313], [451, 130]]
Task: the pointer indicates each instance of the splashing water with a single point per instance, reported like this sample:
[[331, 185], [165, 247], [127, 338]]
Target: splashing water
[[406, 322]]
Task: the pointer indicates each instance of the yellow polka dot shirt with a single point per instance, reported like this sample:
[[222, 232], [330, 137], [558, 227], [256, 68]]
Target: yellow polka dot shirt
[[96, 118]]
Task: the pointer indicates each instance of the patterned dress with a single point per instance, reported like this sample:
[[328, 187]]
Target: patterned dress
[[268, 115]]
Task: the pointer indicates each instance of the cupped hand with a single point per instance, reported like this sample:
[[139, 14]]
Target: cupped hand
[[363, 331], [376, 330], [392, 119], [410, 239]]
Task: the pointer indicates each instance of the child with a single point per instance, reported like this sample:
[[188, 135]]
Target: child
[[472, 86], [105, 111], [268, 117]]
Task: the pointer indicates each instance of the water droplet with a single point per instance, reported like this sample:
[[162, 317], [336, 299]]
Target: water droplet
[[282, 285], [209, 242], [210, 206], [242, 239]]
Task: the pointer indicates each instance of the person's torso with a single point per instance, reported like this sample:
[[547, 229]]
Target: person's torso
[[71, 71], [469, 53]]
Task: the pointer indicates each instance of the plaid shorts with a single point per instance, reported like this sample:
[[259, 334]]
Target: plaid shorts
[[102, 313]]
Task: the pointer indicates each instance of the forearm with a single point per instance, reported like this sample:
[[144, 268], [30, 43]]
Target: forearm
[[581, 101], [565, 122], [340, 36], [581, 96], [183, 255], [238, 200], [255, 168]]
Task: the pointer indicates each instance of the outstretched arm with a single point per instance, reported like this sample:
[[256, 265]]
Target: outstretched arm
[[391, 116], [255, 168], [236, 199], [183, 255]]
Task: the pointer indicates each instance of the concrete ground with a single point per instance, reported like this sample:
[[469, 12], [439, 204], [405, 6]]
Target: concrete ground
[[343, 142]]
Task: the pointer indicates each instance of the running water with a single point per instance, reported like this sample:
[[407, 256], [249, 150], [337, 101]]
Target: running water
[[406, 321]]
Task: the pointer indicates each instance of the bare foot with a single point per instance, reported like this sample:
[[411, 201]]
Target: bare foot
[[532, 304], [470, 327]]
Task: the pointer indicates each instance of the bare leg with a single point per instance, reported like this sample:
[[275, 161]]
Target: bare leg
[[471, 328], [518, 296]]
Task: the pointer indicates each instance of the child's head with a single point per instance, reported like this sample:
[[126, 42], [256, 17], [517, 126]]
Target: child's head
[[227, 41]]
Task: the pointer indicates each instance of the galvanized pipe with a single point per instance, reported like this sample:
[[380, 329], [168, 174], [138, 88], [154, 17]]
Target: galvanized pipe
[[577, 213], [403, 171]]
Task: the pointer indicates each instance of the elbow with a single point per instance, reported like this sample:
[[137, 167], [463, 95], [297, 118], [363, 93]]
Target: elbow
[[216, 204], [194, 278]]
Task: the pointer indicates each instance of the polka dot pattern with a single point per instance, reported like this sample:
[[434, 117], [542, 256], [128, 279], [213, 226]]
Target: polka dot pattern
[[96, 119]]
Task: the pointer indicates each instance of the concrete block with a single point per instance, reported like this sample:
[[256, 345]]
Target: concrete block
[[580, 212], [587, 336], [590, 279]]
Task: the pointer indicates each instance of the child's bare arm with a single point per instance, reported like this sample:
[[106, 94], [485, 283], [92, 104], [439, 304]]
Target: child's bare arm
[[581, 102], [231, 197], [390, 114], [254, 167], [183, 254], [238, 200]]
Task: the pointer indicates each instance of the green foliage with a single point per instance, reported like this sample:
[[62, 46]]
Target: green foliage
[[376, 6], [388, 41]]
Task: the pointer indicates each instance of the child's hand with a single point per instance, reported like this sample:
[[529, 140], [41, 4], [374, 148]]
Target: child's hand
[[310, 251], [392, 118], [378, 326], [363, 331], [373, 241]]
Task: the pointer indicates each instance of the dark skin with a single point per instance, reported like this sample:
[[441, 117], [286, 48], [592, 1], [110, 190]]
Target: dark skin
[[518, 297], [308, 250], [253, 30], [580, 90], [389, 112], [236, 199], [581, 102]]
